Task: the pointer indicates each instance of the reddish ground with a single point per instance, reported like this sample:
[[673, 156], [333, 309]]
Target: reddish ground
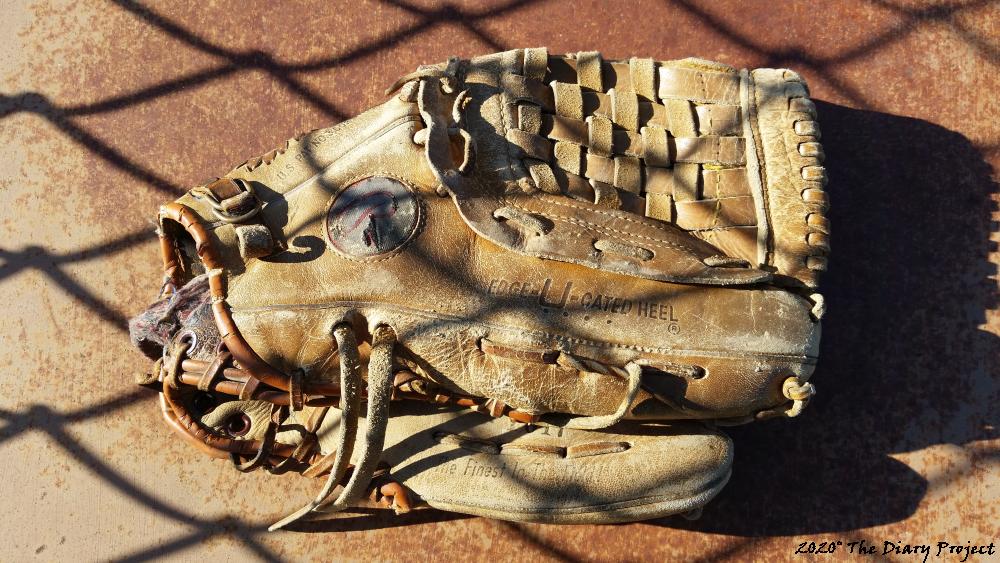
[[109, 109]]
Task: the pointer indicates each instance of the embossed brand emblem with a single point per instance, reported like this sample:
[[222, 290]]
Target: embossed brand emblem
[[372, 217]]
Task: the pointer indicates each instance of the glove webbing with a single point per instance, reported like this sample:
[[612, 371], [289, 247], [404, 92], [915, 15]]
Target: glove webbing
[[660, 139], [654, 139]]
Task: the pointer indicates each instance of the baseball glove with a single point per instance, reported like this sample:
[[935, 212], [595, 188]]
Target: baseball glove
[[547, 278]]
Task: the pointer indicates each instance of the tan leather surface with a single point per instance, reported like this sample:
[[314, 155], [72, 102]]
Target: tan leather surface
[[795, 180], [447, 287], [465, 462]]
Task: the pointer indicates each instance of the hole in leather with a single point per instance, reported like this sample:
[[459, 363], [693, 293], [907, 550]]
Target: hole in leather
[[238, 424], [188, 337], [204, 403], [470, 444]]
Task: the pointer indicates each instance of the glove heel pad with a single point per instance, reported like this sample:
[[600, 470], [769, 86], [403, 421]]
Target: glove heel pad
[[465, 462]]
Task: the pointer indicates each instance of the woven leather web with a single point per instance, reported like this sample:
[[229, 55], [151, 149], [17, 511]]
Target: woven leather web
[[659, 139]]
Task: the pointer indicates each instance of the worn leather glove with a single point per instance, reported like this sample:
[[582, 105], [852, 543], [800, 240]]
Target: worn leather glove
[[548, 278]]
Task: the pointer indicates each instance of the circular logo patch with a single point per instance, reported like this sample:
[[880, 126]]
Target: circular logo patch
[[372, 217]]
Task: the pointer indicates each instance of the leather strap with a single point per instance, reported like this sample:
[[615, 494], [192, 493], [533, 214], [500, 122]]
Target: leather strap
[[213, 371], [278, 414], [337, 461]]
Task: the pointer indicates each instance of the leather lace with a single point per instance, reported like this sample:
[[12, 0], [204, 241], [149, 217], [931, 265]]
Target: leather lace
[[251, 455], [380, 381]]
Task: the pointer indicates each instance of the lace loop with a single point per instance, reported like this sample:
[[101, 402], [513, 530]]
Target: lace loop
[[380, 382]]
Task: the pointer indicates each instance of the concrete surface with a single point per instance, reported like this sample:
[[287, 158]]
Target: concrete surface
[[109, 109]]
